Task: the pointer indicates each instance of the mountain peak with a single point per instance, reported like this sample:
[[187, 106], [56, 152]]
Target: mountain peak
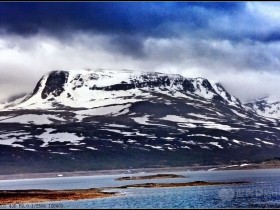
[[268, 106], [86, 88]]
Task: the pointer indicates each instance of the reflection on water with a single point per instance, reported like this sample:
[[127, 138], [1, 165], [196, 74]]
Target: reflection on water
[[263, 190]]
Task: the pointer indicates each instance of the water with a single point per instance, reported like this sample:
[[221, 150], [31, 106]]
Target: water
[[262, 191]]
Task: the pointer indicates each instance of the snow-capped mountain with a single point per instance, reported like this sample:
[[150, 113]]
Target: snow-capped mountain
[[267, 106], [86, 119], [90, 89]]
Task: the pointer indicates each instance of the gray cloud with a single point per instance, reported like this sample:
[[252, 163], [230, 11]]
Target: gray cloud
[[235, 65], [237, 44]]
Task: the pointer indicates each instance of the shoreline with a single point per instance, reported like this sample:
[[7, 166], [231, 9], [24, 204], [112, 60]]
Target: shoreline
[[39, 196], [101, 172], [252, 166]]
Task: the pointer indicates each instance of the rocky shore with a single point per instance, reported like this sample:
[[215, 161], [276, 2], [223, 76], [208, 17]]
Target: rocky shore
[[37, 196], [186, 184]]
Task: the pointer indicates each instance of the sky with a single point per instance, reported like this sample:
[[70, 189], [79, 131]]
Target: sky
[[234, 43]]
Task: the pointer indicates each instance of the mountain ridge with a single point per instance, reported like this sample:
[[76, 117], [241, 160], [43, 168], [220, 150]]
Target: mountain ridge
[[55, 82], [89, 120], [266, 106]]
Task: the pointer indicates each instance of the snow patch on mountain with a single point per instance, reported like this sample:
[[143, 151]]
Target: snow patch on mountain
[[193, 123], [49, 136], [216, 144], [32, 119], [239, 114], [267, 107], [14, 138], [113, 110], [223, 93], [265, 142]]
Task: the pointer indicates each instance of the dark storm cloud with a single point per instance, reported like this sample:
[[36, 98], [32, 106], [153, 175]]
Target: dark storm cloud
[[30, 18], [128, 23], [273, 36], [236, 43], [108, 17], [139, 19], [127, 45]]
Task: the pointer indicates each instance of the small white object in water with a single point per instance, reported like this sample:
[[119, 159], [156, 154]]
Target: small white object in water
[[211, 169], [245, 164], [60, 175]]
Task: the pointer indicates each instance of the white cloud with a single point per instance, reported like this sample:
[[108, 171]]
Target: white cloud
[[246, 69], [265, 10]]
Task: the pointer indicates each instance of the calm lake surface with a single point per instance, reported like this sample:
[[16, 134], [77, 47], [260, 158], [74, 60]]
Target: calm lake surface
[[263, 190]]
